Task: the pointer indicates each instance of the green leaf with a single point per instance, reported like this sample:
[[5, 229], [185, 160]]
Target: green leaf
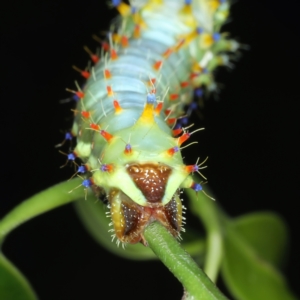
[[265, 232], [246, 269], [13, 285], [208, 213]]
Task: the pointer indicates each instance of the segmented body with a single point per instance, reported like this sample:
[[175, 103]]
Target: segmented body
[[158, 53]]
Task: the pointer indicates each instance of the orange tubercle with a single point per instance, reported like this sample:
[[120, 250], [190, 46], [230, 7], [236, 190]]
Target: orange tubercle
[[184, 84], [183, 138], [157, 65], [171, 121], [107, 168], [94, 57], [173, 150], [137, 31], [95, 126], [113, 54], [83, 73], [158, 108], [179, 44], [105, 46], [189, 168], [107, 74], [124, 41], [167, 112], [117, 107], [128, 149], [173, 97], [109, 91], [86, 114], [106, 135], [168, 52], [177, 131], [79, 94]]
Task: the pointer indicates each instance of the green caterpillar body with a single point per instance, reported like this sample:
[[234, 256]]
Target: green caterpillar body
[[157, 53]]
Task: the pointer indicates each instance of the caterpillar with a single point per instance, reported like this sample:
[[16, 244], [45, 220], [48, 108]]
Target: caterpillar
[[127, 120]]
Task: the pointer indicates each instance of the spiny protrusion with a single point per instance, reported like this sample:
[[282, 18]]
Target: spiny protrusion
[[151, 98], [187, 9], [86, 114], [109, 90], [179, 44], [177, 131], [106, 167], [78, 93], [186, 136], [196, 168], [94, 57], [151, 83], [104, 44], [137, 31], [157, 65], [183, 138], [197, 187], [120, 39], [158, 108], [86, 183], [168, 111], [184, 84], [126, 11], [198, 92], [95, 126], [208, 39], [80, 170], [113, 52], [128, 149], [188, 38], [124, 41], [123, 8], [70, 157], [215, 4], [171, 121], [173, 97], [84, 73], [68, 137], [117, 106], [107, 74], [173, 150], [108, 137]]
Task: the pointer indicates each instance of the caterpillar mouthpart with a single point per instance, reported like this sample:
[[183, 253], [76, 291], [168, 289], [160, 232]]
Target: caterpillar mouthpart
[[130, 218]]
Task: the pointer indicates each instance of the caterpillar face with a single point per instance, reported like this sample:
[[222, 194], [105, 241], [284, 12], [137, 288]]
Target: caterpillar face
[[127, 125], [130, 218]]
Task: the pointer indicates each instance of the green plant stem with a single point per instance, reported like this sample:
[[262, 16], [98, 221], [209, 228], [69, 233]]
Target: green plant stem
[[39, 203], [207, 211], [196, 283]]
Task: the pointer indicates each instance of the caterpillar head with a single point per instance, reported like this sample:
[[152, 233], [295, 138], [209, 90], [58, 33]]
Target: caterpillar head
[[141, 179], [130, 216]]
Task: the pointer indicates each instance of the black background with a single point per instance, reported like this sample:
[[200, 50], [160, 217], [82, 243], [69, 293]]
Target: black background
[[251, 138]]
